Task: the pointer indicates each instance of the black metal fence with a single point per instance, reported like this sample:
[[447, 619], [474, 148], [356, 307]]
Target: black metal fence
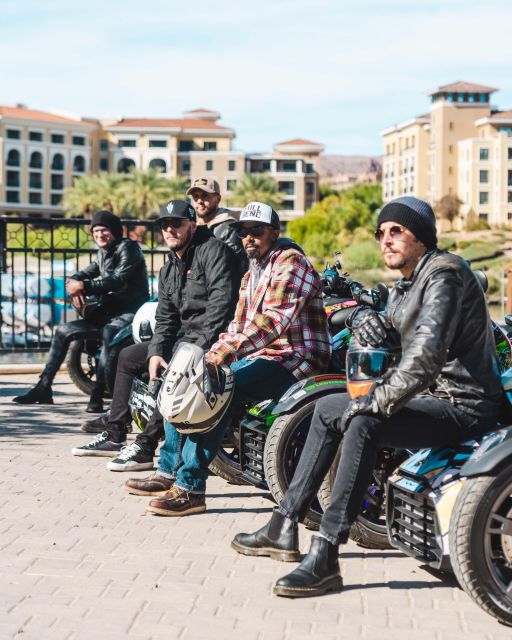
[[36, 257]]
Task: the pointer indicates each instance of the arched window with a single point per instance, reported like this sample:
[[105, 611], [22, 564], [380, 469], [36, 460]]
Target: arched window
[[13, 158], [58, 162], [79, 164], [124, 165], [157, 163], [36, 160]]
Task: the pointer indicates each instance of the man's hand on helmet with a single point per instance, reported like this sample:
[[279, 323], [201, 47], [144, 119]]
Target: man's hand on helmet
[[154, 365], [369, 327], [212, 357]]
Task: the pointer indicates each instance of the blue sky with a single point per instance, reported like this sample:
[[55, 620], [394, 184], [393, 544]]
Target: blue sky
[[332, 71]]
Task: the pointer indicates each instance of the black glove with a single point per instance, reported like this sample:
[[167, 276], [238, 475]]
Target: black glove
[[369, 327], [362, 405]]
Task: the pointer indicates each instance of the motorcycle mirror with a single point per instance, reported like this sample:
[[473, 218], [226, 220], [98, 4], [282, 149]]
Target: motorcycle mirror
[[482, 279]]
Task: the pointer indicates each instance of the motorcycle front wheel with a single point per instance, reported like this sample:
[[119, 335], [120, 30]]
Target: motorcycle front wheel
[[481, 543], [283, 447], [81, 366]]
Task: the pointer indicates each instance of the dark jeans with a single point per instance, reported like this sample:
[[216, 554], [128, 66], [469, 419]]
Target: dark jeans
[[187, 458], [81, 330], [132, 364], [424, 422]]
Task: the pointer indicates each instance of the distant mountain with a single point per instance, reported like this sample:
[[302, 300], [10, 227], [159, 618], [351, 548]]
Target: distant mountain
[[331, 165]]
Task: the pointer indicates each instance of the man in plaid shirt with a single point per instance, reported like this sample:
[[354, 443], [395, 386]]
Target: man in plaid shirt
[[279, 335]]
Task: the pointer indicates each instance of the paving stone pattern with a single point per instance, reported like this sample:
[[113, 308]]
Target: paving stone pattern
[[80, 559]]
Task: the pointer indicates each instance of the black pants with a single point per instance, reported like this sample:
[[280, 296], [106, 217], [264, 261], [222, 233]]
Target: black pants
[[424, 422], [132, 364], [82, 330]]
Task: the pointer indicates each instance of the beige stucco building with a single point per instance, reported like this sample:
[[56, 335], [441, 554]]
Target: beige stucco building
[[462, 147], [41, 153]]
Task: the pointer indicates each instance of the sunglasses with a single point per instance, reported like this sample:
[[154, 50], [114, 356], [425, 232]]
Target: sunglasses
[[256, 231], [175, 223], [395, 233]]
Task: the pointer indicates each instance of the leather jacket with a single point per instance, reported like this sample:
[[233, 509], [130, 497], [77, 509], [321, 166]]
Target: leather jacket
[[197, 295], [223, 227], [448, 347], [118, 276]]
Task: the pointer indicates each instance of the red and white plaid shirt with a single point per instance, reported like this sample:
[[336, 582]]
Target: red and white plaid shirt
[[285, 321]]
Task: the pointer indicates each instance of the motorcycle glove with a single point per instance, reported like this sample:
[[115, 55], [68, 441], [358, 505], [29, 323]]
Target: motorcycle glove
[[362, 405], [369, 327]]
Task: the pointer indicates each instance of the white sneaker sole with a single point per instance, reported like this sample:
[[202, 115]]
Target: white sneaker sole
[[129, 466], [100, 454]]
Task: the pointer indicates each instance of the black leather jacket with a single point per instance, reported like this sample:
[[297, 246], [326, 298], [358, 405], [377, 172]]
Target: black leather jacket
[[197, 295], [223, 227], [448, 347], [119, 276]]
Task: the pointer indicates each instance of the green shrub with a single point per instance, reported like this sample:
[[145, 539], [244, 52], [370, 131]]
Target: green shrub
[[363, 255], [481, 251], [447, 243]]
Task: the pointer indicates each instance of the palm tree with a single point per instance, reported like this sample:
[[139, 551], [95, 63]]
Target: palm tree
[[145, 191], [256, 186], [92, 193]]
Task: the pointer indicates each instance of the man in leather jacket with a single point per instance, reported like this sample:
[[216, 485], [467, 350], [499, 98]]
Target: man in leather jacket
[[205, 194], [197, 294], [445, 389], [118, 279]]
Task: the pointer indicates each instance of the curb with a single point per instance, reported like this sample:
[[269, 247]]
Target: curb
[[13, 369]]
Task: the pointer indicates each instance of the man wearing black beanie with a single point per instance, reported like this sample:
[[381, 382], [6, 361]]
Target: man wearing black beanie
[[118, 281], [445, 389]]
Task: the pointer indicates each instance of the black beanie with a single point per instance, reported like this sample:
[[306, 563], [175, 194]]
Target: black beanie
[[413, 214], [109, 220]]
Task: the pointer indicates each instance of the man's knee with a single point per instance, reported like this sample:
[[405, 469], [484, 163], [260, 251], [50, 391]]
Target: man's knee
[[131, 359], [328, 411]]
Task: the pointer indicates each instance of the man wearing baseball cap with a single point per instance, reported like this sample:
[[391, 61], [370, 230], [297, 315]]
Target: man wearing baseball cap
[[278, 335], [206, 197], [445, 389], [197, 294], [118, 280]]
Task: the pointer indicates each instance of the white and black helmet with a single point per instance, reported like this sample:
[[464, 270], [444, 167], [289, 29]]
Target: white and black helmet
[[194, 394], [144, 322]]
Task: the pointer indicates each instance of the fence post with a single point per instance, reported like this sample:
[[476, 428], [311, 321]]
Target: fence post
[[3, 246]]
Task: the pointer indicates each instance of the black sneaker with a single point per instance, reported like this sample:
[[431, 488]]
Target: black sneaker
[[132, 458], [99, 424], [100, 446]]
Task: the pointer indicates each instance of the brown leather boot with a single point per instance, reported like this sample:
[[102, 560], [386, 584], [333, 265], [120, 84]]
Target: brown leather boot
[[178, 502], [153, 485]]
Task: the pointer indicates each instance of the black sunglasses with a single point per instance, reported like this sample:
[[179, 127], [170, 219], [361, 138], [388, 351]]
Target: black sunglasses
[[256, 231], [175, 223], [395, 232]]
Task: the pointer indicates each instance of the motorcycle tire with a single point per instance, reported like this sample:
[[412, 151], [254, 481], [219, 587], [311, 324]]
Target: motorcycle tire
[[81, 366], [369, 531], [481, 542], [283, 448]]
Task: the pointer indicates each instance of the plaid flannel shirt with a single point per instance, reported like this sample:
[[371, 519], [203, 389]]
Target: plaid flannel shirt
[[285, 321]]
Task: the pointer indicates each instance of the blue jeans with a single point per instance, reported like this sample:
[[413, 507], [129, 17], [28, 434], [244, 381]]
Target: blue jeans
[[187, 458]]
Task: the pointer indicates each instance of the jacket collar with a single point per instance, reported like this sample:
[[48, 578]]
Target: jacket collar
[[200, 237]]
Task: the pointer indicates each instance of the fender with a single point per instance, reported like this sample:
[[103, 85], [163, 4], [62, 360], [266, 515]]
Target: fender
[[495, 451], [122, 335], [308, 389]]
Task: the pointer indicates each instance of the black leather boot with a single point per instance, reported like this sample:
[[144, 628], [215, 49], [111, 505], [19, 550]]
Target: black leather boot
[[96, 402], [279, 539], [318, 573], [40, 394]]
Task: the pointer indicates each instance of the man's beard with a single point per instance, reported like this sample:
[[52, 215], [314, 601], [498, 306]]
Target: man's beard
[[180, 244], [253, 252]]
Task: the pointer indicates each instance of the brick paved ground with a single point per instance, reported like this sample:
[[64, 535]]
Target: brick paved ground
[[80, 559]]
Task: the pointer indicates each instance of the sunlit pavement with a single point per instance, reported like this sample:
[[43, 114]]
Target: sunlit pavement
[[80, 559]]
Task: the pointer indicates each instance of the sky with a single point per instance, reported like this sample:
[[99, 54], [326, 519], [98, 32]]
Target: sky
[[331, 71]]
